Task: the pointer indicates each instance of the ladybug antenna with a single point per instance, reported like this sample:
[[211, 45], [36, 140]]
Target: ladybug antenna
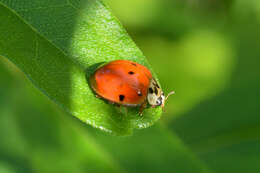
[[170, 93], [166, 98]]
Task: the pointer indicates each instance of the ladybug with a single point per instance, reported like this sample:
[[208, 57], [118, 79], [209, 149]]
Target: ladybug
[[127, 83]]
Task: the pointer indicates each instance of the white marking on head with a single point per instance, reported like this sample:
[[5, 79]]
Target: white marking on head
[[155, 95]]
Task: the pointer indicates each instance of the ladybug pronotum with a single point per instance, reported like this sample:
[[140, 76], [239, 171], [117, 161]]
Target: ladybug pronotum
[[127, 83]]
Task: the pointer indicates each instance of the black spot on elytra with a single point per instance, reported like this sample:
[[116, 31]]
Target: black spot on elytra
[[134, 64], [131, 72], [121, 97], [139, 93], [150, 90]]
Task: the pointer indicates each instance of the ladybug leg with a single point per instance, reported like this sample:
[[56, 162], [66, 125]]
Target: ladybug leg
[[122, 109], [142, 107]]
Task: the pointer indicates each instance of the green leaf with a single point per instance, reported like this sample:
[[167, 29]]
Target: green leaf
[[73, 146], [152, 150], [58, 44], [36, 137]]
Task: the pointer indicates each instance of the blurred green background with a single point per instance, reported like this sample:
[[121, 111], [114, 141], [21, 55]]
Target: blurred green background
[[206, 50]]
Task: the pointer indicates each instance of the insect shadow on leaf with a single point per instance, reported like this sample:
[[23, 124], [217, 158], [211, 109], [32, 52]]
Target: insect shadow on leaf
[[90, 71]]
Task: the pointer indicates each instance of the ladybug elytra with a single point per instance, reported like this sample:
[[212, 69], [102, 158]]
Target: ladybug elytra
[[127, 83]]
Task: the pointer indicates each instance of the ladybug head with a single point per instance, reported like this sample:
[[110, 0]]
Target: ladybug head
[[155, 95]]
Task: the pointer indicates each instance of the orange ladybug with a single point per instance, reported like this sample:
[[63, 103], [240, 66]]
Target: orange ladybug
[[127, 83]]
